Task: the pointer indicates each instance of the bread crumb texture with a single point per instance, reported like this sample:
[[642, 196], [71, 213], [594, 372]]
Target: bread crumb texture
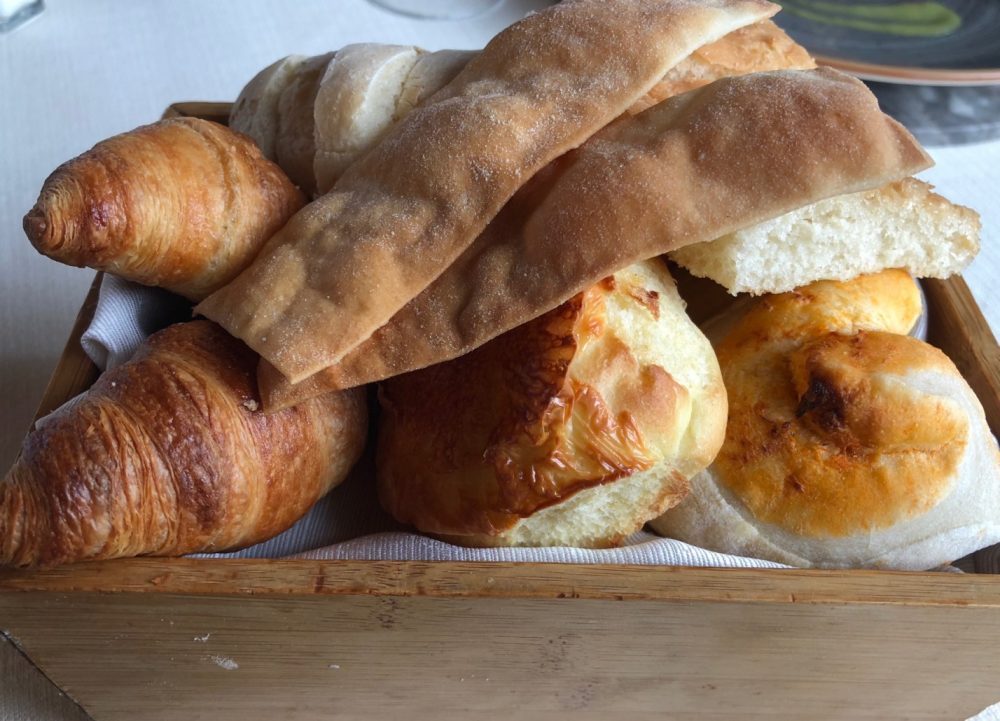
[[900, 225]]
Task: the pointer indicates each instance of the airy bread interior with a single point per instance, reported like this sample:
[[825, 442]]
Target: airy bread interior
[[901, 225]]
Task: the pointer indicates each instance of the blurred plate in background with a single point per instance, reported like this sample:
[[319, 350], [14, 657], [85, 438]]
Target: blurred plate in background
[[923, 42]]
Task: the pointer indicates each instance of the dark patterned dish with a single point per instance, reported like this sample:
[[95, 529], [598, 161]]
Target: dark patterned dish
[[934, 42]]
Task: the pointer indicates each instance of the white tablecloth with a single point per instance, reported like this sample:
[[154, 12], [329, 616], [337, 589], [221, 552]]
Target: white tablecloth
[[87, 70]]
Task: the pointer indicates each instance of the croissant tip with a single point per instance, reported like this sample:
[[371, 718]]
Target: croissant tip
[[35, 225]]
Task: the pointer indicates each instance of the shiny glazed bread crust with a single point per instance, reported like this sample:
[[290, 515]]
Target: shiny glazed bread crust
[[571, 430], [168, 455], [183, 204]]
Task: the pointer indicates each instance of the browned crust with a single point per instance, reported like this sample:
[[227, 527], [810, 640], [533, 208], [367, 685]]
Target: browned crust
[[472, 446], [821, 439], [184, 204], [755, 48], [679, 173], [166, 455], [407, 209]]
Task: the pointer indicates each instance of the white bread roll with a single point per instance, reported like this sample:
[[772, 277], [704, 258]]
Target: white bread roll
[[255, 112], [430, 73], [295, 142], [356, 104], [848, 443], [352, 106], [572, 430], [900, 225]]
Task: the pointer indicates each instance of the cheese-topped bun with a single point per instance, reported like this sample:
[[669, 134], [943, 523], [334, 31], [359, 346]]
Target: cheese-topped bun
[[572, 430], [848, 443]]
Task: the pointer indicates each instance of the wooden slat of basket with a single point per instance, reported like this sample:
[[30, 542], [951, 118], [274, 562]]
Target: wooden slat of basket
[[216, 112], [957, 326], [453, 579], [75, 372]]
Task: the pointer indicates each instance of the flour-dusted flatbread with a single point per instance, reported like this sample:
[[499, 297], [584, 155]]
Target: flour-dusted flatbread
[[402, 214], [679, 173]]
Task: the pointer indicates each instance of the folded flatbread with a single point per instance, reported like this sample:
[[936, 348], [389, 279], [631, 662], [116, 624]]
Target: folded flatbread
[[723, 157], [346, 263]]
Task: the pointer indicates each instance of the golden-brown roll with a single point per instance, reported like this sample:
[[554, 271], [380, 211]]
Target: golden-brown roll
[[184, 204], [168, 455], [848, 443], [572, 430]]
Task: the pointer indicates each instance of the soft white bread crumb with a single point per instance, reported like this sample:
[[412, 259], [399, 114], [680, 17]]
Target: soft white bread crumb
[[901, 225]]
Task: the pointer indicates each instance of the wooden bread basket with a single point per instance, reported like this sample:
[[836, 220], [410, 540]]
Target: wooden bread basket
[[248, 639]]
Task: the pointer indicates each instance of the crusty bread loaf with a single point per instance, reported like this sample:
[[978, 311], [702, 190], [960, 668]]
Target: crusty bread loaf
[[409, 207], [679, 173], [571, 430], [369, 87], [848, 443], [295, 141], [356, 104], [901, 225], [255, 112]]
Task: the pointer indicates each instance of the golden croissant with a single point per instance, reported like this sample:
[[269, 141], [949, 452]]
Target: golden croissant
[[167, 455], [184, 204]]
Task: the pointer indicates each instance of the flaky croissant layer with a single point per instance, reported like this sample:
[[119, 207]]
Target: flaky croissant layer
[[184, 204], [168, 455]]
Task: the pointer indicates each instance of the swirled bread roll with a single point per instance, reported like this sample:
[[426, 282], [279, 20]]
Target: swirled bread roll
[[572, 430], [849, 444]]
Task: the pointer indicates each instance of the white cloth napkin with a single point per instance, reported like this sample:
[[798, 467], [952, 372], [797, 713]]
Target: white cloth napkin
[[348, 522]]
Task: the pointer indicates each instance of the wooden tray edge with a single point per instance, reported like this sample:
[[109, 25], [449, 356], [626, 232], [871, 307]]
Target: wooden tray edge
[[448, 579]]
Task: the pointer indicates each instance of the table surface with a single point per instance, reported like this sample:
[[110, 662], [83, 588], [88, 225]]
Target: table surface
[[84, 71]]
